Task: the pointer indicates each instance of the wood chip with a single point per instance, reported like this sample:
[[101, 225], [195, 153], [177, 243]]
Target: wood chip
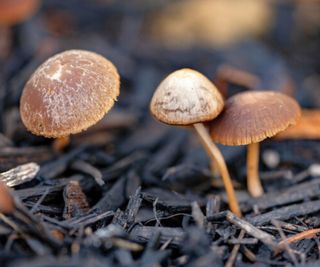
[[19, 175], [286, 212], [76, 203]]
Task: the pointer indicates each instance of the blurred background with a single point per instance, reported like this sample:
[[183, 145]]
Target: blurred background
[[276, 40]]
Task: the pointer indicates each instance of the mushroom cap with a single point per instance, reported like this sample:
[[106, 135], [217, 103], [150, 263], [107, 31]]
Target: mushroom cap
[[68, 93], [186, 97], [6, 200], [251, 117], [16, 11]]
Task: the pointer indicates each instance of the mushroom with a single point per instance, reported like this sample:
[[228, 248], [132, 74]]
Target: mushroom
[[6, 200], [68, 93], [186, 97], [249, 118], [16, 11], [13, 12]]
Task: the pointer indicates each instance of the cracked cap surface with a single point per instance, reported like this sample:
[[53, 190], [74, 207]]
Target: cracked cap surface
[[251, 117], [186, 97], [68, 93]]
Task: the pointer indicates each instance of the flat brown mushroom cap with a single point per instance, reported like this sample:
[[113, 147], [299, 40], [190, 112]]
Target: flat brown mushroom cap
[[251, 117], [68, 93], [186, 97]]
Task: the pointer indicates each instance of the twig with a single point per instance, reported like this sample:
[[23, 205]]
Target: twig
[[197, 214], [286, 212], [34, 208], [87, 168], [235, 251], [158, 223], [285, 244], [308, 234], [125, 244], [249, 254], [250, 229]]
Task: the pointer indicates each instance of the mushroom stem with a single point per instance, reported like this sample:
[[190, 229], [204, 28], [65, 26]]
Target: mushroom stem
[[216, 156], [253, 181], [214, 168], [61, 143]]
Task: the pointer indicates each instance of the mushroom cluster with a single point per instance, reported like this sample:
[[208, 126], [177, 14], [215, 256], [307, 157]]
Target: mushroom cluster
[[186, 97], [250, 117], [74, 89]]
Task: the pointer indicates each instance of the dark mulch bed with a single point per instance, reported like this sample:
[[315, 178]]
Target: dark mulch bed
[[134, 192]]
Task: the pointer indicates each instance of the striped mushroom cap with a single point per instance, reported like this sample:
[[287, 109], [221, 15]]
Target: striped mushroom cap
[[251, 117], [186, 97], [68, 93]]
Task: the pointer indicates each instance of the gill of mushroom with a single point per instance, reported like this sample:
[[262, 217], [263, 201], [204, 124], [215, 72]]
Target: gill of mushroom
[[249, 118], [186, 97], [68, 93]]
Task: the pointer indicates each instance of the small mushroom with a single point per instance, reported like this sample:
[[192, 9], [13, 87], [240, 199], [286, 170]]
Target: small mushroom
[[16, 11], [186, 97], [68, 93], [6, 200], [13, 12], [249, 118]]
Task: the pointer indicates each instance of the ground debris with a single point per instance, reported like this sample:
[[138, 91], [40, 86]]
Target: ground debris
[[248, 228], [293, 194], [286, 213], [131, 191], [75, 200], [11, 157], [145, 233], [19, 175]]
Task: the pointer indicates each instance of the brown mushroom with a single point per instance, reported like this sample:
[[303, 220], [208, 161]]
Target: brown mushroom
[[249, 118], [68, 93], [186, 97], [16, 11], [6, 200], [13, 12]]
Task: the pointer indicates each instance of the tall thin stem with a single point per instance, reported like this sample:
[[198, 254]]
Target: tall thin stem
[[216, 156], [253, 180], [214, 168]]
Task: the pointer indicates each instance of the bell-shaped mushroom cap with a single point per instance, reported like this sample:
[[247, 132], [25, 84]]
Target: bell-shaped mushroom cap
[[68, 93], [16, 11], [251, 117], [186, 97]]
